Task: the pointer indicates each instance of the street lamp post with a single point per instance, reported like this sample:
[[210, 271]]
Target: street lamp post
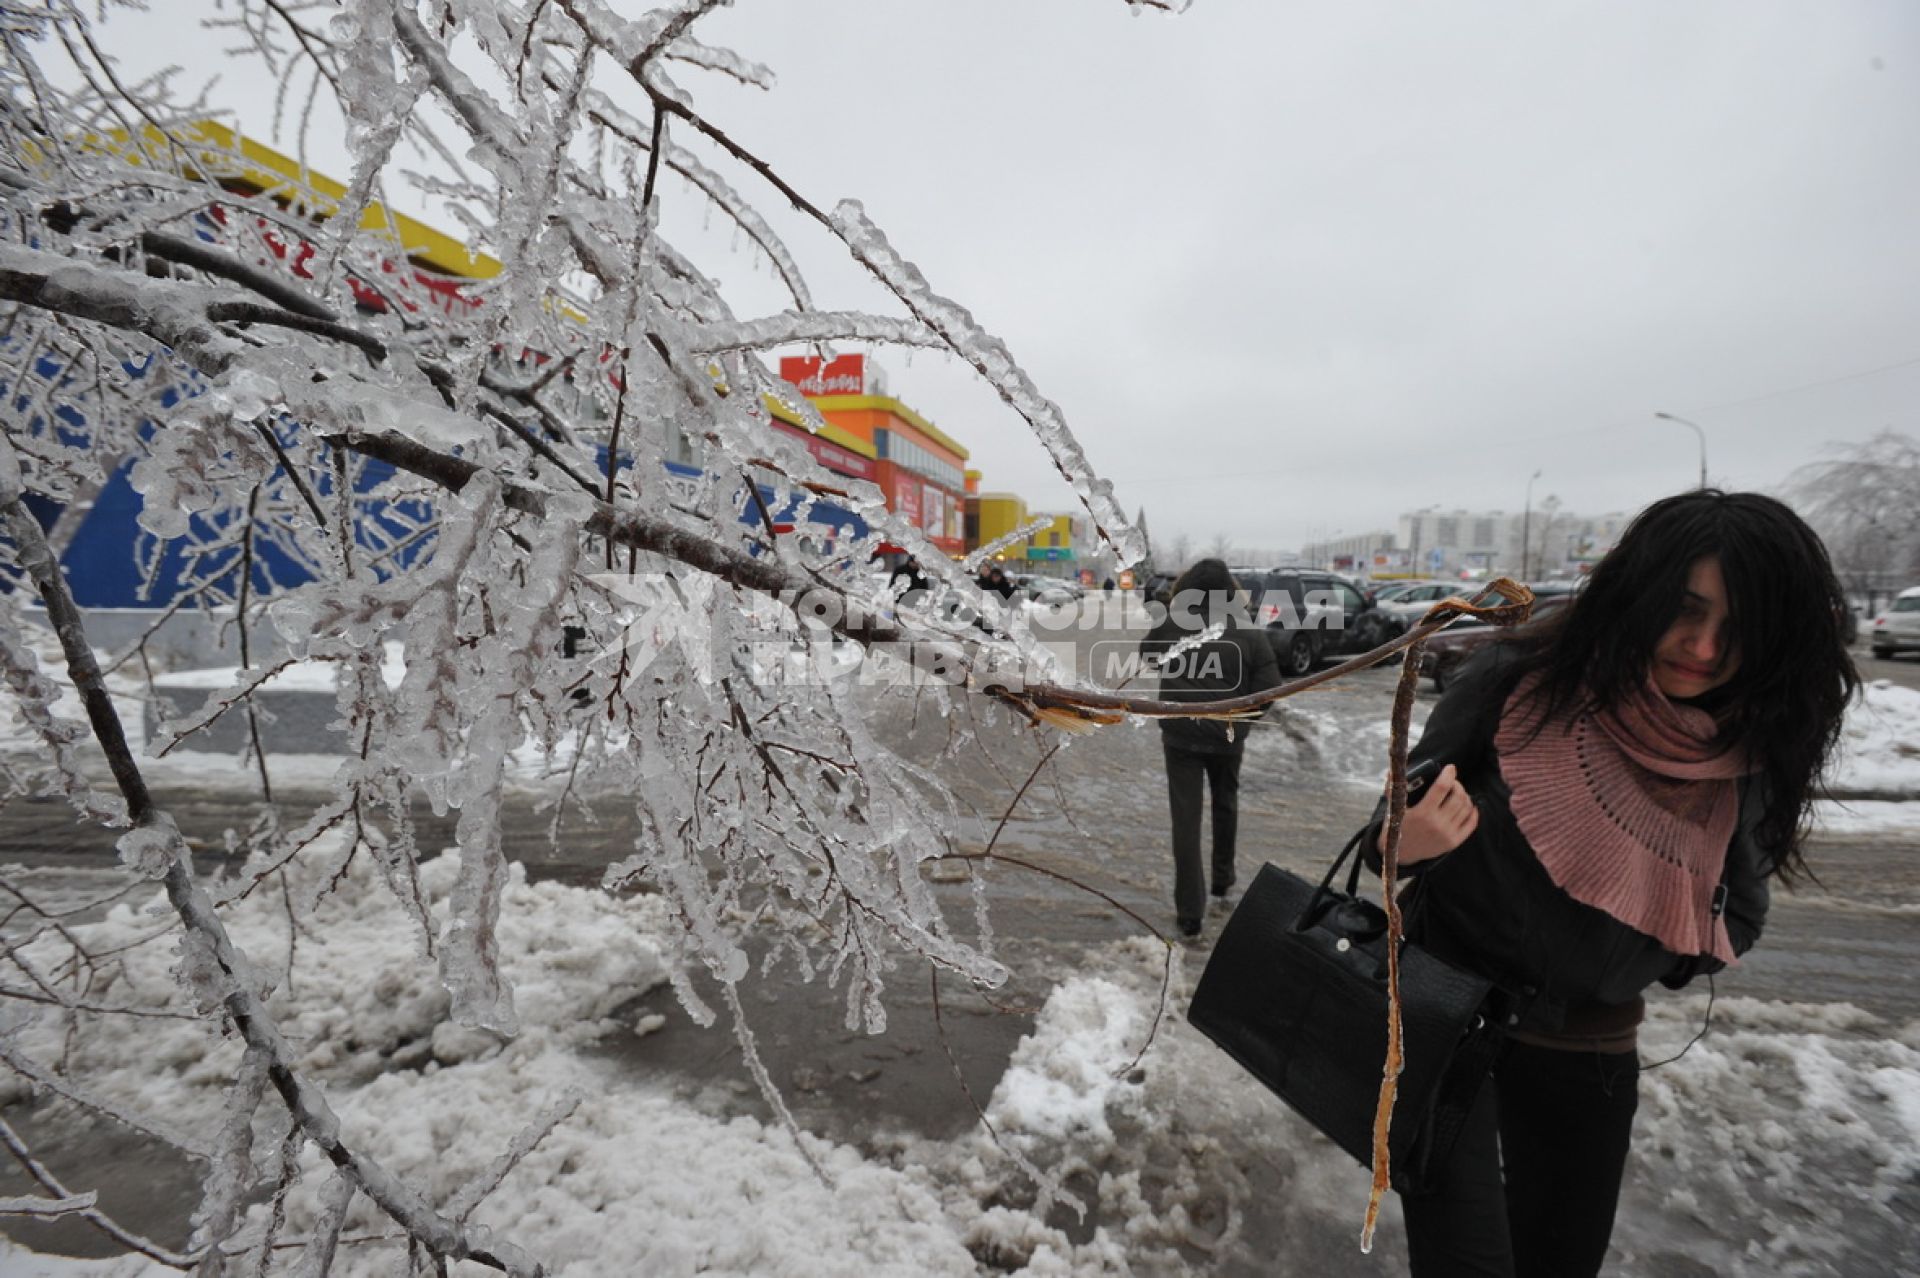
[[1526, 530], [1695, 428]]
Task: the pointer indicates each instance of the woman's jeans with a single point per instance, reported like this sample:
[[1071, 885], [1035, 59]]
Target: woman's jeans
[[1558, 1124]]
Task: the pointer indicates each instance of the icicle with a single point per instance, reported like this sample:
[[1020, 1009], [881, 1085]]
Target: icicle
[[230, 1173]]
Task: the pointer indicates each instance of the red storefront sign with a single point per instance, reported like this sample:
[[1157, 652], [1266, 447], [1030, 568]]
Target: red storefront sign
[[906, 496], [409, 285], [841, 375], [841, 461]]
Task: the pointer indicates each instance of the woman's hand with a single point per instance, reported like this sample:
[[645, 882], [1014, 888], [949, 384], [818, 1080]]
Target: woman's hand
[[1438, 824]]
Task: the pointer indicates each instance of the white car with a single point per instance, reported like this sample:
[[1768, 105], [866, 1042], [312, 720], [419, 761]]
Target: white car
[[1410, 603], [1052, 591], [1898, 628]]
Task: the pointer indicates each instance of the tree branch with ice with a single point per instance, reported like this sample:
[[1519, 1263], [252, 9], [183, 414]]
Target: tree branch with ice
[[570, 437]]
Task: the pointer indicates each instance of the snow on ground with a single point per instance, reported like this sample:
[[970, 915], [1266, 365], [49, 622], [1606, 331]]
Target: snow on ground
[[188, 690], [1336, 732], [1866, 818], [631, 1173], [1880, 742], [1879, 754], [1786, 1142]]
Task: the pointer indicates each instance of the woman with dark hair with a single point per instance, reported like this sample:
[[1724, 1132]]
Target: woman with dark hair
[[1205, 648], [1621, 781]]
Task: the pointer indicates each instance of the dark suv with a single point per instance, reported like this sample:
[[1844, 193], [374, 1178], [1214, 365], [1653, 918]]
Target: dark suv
[[1311, 614]]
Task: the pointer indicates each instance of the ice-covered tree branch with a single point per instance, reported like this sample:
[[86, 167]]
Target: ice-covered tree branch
[[514, 495], [221, 974]]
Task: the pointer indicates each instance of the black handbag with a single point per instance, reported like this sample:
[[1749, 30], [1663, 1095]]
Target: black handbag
[[1296, 991]]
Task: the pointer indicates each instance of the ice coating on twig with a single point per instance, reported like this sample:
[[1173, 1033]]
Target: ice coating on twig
[[790, 327], [33, 697], [470, 1196], [990, 357], [316, 1259], [687, 49], [444, 458], [633, 41], [973, 561], [230, 1172], [29, 1205]]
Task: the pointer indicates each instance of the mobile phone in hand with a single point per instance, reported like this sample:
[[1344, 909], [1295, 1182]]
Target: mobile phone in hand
[[1419, 776]]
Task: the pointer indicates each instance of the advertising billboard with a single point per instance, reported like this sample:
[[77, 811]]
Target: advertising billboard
[[841, 375]]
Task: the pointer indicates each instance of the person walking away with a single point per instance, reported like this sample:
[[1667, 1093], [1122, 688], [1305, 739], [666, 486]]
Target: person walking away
[[1621, 781], [1207, 648], [909, 582]]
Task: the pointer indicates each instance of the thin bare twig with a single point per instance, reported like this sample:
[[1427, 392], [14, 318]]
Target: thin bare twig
[[23, 1155]]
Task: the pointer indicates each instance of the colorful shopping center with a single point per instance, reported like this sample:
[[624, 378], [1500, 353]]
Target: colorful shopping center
[[862, 432]]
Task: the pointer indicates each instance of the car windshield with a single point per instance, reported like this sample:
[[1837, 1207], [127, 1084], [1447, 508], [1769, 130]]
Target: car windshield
[[1907, 605]]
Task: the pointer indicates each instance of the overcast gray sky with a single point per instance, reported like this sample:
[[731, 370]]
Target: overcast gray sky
[[1292, 269]]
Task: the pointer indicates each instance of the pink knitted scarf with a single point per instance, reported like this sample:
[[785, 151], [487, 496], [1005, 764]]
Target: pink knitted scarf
[[1630, 810]]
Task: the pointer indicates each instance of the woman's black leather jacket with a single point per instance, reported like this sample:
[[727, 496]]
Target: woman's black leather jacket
[[1489, 905]]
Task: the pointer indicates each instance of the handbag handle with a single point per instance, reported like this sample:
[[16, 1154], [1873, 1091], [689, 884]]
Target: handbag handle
[[1316, 904]]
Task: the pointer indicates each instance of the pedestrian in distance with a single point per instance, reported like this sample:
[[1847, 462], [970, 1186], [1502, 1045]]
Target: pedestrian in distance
[[909, 582], [1622, 780], [1205, 648]]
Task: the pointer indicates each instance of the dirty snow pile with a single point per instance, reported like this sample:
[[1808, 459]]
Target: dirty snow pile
[[630, 1171], [1879, 756]]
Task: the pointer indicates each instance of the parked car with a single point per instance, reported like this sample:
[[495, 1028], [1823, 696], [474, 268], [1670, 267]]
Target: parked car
[[1392, 590], [1050, 590], [1898, 628], [1409, 603], [1310, 615], [1447, 651]]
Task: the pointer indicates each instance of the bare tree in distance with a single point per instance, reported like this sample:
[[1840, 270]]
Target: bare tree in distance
[[1864, 500], [1180, 554]]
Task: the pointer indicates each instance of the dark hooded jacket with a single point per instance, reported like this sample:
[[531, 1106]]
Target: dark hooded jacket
[[1238, 662]]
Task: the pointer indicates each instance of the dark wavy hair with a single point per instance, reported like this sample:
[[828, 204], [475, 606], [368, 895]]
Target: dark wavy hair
[[1788, 623]]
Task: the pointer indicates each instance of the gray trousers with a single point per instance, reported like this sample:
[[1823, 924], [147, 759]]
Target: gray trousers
[[1190, 775]]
